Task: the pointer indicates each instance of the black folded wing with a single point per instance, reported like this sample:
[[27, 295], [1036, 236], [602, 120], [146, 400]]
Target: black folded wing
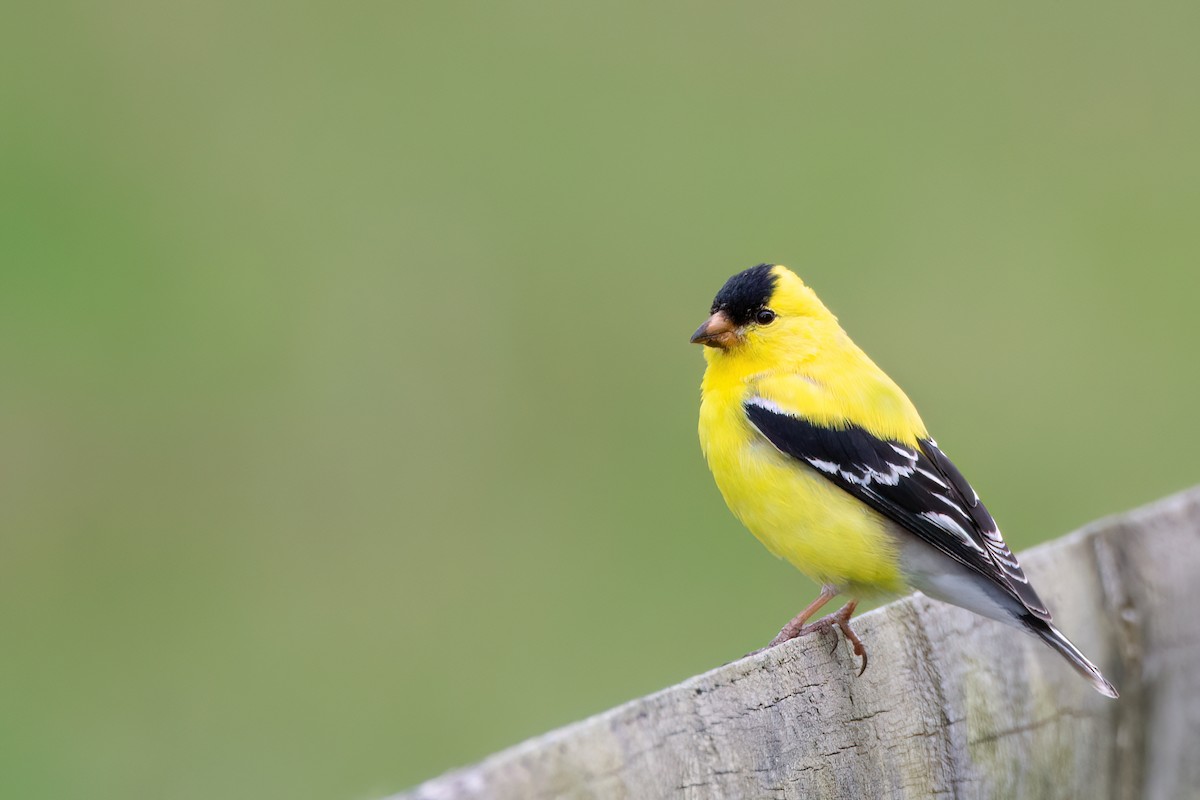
[[919, 488]]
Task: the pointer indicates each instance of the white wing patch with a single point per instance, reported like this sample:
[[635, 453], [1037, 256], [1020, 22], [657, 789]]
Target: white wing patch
[[864, 475], [763, 402], [932, 477], [951, 525], [827, 467]]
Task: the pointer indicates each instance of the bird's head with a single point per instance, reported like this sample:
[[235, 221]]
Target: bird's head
[[762, 307]]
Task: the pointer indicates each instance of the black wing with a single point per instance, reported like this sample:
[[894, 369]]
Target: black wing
[[918, 488]]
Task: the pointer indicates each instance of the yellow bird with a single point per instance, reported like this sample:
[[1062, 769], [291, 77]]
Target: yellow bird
[[823, 457]]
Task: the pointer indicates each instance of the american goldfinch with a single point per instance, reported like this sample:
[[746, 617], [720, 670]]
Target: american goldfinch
[[826, 461]]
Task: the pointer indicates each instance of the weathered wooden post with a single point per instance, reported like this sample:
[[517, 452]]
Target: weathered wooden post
[[954, 705]]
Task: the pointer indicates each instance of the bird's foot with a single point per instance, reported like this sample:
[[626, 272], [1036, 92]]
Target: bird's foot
[[839, 619]]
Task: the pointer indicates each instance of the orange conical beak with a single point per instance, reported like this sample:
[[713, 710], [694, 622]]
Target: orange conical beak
[[717, 331]]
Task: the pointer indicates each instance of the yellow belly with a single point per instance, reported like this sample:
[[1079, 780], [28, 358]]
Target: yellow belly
[[795, 512]]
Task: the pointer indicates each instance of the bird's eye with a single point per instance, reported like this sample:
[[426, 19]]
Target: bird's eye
[[765, 317]]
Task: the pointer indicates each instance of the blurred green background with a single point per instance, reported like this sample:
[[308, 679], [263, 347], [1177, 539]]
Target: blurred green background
[[348, 410]]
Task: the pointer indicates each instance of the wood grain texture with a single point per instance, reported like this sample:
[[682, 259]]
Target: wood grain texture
[[953, 706]]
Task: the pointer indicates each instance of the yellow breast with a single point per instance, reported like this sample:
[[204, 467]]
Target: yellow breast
[[794, 511]]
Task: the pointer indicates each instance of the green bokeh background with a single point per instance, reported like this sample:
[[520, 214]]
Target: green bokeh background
[[348, 411]]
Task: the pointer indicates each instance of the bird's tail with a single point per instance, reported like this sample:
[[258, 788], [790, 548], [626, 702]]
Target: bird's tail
[[1053, 637]]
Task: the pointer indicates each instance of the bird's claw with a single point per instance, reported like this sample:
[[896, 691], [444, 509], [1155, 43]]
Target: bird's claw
[[840, 620]]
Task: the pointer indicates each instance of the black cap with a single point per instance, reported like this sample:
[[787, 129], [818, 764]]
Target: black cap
[[746, 293]]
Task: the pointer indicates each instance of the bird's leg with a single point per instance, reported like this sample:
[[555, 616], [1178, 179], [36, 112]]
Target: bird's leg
[[840, 619], [796, 626]]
